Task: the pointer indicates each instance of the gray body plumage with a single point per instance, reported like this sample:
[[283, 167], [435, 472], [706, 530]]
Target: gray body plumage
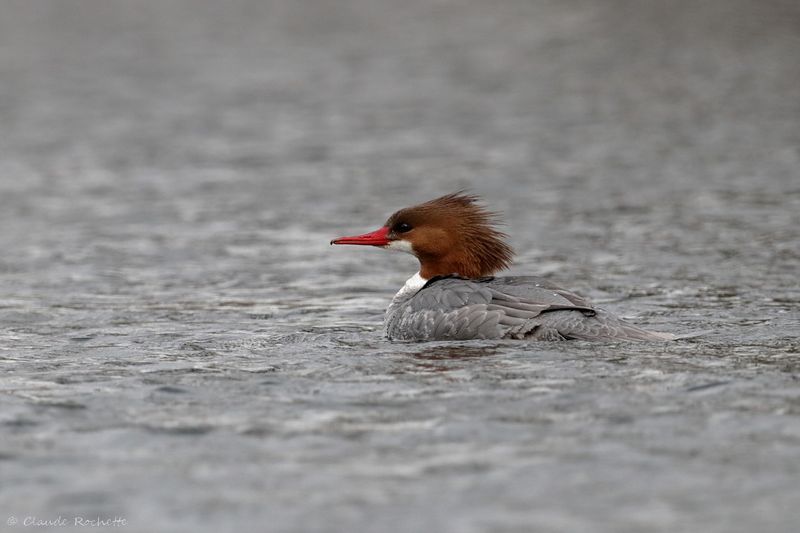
[[454, 308]]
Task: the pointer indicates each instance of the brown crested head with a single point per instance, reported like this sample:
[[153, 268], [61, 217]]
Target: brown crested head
[[453, 234]]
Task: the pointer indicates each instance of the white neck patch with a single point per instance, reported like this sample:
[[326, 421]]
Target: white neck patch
[[412, 286]]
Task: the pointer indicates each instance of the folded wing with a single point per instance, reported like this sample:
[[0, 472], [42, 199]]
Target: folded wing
[[510, 307]]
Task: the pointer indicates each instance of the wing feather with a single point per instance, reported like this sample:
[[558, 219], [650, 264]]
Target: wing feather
[[458, 308]]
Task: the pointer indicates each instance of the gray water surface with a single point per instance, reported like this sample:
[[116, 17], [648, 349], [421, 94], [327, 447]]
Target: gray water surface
[[182, 349]]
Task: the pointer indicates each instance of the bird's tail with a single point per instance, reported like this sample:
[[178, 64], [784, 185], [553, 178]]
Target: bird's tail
[[601, 326]]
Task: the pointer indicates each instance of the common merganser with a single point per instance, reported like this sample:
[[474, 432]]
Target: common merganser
[[454, 296]]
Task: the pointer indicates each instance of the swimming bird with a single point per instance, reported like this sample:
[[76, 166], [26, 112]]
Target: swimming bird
[[455, 294]]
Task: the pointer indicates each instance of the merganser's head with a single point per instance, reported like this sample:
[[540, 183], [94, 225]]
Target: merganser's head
[[449, 235]]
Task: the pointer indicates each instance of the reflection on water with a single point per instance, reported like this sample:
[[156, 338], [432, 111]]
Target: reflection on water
[[448, 357], [455, 352]]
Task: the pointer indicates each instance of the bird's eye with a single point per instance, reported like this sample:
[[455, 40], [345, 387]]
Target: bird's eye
[[402, 227]]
